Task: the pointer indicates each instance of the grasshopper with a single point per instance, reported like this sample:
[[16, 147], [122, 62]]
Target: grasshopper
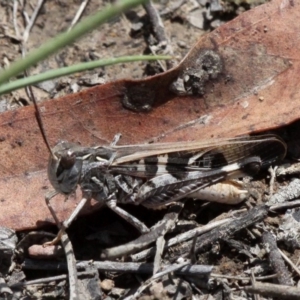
[[153, 175], [156, 175]]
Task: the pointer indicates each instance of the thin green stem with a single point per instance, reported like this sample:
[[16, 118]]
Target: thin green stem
[[16, 84]]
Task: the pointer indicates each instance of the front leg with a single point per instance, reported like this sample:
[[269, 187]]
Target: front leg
[[62, 227]]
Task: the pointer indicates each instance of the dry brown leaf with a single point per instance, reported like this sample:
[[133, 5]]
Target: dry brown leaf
[[257, 89]]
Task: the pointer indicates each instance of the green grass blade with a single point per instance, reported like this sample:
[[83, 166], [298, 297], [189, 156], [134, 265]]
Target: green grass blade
[[16, 84]]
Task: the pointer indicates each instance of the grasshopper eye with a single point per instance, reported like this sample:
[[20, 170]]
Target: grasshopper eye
[[64, 168]]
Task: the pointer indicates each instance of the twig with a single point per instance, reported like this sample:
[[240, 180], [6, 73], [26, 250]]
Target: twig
[[276, 260], [223, 232], [78, 13], [289, 192], [268, 277], [272, 172], [147, 283], [157, 24], [180, 238], [111, 266], [47, 279], [169, 219], [15, 12], [25, 15], [288, 169], [253, 281], [71, 263], [274, 290], [156, 231], [160, 243], [296, 269], [159, 32], [32, 20], [285, 205], [40, 281]]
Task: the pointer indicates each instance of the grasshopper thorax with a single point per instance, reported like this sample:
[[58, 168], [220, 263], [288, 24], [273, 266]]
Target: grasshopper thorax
[[64, 168]]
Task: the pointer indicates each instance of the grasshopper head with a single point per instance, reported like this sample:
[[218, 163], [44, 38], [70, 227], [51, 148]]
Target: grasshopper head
[[64, 168]]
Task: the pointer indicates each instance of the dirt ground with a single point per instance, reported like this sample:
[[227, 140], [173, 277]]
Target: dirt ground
[[185, 22]]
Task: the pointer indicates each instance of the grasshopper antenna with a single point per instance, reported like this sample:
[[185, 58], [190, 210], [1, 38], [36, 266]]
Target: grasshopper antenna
[[39, 120]]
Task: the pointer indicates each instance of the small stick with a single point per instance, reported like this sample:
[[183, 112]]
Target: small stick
[[78, 13], [147, 283], [180, 238], [41, 281], [289, 192], [223, 232], [156, 231], [169, 222], [157, 24], [253, 281], [285, 205], [71, 263], [276, 260], [32, 20], [160, 243], [272, 172], [159, 31], [274, 291], [15, 12], [112, 266], [288, 169], [268, 277], [295, 268]]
